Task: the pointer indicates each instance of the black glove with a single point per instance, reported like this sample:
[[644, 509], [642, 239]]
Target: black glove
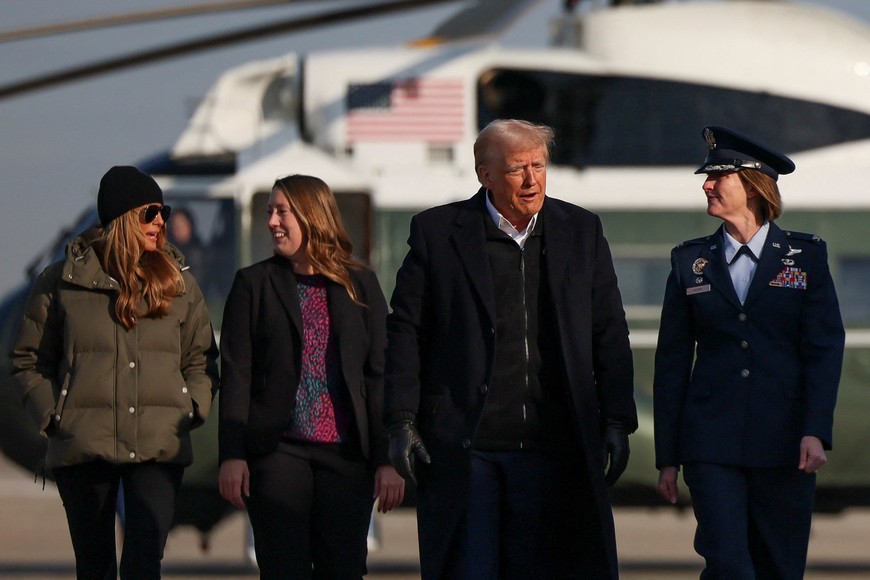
[[405, 444], [615, 453]]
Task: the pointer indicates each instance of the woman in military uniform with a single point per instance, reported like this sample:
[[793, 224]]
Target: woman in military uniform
[[747, 366]]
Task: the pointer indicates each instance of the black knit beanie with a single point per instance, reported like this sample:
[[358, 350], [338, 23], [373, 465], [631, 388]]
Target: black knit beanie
[[123, 188]]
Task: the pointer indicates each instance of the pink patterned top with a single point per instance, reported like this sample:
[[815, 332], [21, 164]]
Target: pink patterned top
[[323, 412]]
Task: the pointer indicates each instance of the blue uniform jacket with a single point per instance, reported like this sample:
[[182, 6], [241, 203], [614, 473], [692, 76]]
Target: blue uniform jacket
[[742, 384]]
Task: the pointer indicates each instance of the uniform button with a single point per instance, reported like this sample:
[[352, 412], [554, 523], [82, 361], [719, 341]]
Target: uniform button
[[63, 392], [132, 454], [183, 389], [132, 410], [492, 331], [190, 415], [132, 365], [57, 417], [744, 373], [744, 345], [741, 317], [466, 443], [483, 388]]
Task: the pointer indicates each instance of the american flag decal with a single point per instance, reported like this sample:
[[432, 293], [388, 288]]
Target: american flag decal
[[431, 110]]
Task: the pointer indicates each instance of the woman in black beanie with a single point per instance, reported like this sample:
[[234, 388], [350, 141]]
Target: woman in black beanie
[[116, 363]]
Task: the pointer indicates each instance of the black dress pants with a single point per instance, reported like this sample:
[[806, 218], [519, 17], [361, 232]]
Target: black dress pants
[[89, 492], [310, 507]]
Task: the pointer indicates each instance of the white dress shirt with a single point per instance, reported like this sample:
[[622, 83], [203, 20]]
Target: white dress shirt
[[504, 225]]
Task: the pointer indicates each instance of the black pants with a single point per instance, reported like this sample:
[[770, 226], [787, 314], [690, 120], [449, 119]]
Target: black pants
[[89, 492], [310, 507]]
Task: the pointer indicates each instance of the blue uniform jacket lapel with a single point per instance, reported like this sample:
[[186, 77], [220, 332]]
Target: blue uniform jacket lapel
[[769, 263], [716, 270]]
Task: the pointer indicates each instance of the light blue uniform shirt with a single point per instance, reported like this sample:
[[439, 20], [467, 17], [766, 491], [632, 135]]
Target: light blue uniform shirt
[[742, 267]]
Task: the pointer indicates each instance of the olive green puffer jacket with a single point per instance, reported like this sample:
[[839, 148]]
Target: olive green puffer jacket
[[99, 391]]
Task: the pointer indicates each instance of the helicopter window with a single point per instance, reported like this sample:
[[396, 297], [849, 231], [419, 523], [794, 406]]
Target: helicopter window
[[441, 154], [614, 121], [641, 283], [356, 213], [205, 232], [391, 228], [279, 100], [853, 281]]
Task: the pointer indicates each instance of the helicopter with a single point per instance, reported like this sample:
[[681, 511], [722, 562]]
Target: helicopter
[[626, 89]]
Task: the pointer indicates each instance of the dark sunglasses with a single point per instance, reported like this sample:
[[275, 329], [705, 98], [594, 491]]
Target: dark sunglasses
[[149, 214]]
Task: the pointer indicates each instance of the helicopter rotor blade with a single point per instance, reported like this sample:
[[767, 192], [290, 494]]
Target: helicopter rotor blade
[[485, 18], [134, 18], [208, 43]]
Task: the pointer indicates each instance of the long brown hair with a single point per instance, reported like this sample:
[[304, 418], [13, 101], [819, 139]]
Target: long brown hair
[[150, 277], [327, 244]]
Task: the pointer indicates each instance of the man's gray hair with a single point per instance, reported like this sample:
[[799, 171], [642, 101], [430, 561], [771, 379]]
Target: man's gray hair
[[511, 132]]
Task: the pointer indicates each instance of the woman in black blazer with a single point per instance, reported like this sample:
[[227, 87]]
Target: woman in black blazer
[[302, 443], [747, 367]]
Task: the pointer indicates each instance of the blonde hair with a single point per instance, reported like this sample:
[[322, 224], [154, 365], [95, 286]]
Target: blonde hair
[[327, 243], [151, 277], [770, 201], [511, 132]]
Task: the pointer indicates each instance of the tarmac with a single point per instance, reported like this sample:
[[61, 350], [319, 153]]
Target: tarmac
[[654, 543]]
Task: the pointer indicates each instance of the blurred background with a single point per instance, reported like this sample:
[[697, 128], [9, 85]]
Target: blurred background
[[627, 84]]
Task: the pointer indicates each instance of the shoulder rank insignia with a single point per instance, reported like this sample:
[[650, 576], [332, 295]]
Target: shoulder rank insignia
[[802, 236], [699, 265]]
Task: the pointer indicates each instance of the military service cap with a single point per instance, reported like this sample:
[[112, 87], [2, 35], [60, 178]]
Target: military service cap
[[731, 151]]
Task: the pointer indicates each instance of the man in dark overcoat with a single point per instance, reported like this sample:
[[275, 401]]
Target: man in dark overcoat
[[509, 378]]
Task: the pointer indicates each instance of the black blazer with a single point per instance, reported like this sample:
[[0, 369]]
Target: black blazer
[[741, 384], [261, 351]]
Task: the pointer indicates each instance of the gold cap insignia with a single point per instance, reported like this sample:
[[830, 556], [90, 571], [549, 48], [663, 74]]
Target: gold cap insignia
[[710, 138]]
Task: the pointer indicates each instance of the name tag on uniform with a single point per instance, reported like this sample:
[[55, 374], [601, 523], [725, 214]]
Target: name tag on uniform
[[697, 289]]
